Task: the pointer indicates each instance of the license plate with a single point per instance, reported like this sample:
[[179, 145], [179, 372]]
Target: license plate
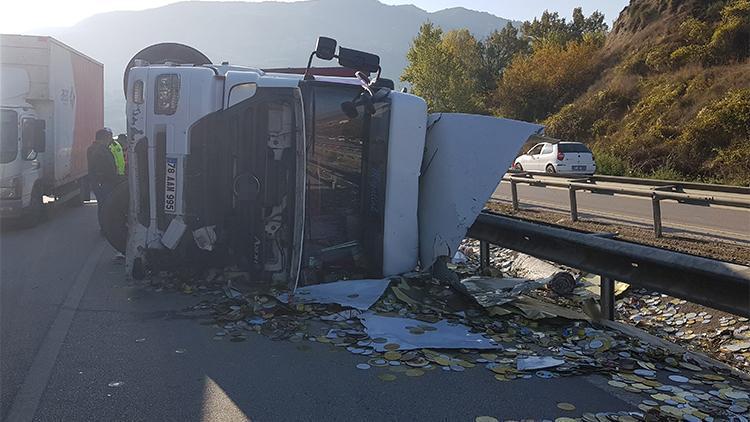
[[170, 185], [579, 168]]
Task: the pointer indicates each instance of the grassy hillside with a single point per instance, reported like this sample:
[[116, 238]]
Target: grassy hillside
[[672, 99], [665, 93]]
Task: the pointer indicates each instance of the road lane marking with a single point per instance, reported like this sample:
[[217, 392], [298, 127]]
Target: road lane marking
[[29, 395]]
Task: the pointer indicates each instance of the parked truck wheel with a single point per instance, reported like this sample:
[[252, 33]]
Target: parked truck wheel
[[114, 217], [34, 213]]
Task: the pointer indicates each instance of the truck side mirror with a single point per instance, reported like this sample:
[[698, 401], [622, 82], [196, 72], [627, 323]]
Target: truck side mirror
[[326, 48], [40, 138], [359, 60]]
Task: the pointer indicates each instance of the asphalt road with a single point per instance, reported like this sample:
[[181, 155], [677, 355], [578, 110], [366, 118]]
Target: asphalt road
[[70, 322], [731, 224]]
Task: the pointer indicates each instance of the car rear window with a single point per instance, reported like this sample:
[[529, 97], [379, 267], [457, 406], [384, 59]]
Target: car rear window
[[576, 147]]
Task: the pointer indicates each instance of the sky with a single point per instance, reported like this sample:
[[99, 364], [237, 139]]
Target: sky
[[26, 15]]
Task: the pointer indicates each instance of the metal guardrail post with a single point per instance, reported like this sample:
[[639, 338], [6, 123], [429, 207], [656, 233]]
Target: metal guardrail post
[[484, 255], [607, 297], [514, 194], [573, 203], [657, 215]]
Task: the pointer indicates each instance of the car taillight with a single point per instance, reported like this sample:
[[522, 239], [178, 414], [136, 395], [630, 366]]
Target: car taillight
[[560, 156]]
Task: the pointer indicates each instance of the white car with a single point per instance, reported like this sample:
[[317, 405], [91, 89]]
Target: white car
[[557, 157]]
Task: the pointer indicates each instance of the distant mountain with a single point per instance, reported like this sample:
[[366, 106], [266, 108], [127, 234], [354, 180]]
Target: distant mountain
[[266, 34]]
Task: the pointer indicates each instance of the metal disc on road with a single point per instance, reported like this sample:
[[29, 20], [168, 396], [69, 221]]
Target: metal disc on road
[[485, 419], [679, 379], [566, 406], [414, 373], [387, 377], [392, 355], [363, 366]]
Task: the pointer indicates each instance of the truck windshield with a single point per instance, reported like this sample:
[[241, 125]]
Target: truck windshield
[[8, 136], [345, 186]]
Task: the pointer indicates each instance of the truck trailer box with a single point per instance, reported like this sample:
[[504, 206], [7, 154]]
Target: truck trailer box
[[65, 88]]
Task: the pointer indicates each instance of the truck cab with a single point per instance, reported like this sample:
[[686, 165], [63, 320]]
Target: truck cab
[[294, 178], [22, 139]]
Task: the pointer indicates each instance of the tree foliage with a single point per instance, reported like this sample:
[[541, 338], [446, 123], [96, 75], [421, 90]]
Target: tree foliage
[[498, 50], [537, 85], [444, 69], [550, 27]]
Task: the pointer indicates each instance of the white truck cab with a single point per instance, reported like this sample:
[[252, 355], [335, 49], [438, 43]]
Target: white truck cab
[[22, 135], [297, 178]]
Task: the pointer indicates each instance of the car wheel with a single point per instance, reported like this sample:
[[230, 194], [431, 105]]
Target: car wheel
[[551, 169], [114, 217], [518, 167]]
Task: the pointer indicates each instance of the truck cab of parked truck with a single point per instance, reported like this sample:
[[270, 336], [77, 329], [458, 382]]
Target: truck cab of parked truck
[[22, 135], [294, 178]]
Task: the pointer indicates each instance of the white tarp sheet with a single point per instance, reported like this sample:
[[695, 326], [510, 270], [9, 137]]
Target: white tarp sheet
[[440, 335], [358, 294]]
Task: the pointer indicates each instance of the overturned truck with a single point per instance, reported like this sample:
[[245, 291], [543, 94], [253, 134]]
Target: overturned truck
[[297, 176]]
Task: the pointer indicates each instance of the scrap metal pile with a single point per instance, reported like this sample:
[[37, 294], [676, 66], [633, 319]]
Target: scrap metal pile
[[411, 325]]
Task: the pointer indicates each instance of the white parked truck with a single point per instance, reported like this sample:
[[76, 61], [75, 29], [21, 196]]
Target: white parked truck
[[52, 105], [298, 178]]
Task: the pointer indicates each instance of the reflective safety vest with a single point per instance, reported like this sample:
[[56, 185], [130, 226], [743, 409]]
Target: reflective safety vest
[[116, 149]]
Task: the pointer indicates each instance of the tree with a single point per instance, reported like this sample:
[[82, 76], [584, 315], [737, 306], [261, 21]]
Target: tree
[[498, 50], [443, 69], [550, 27], [537, 85]]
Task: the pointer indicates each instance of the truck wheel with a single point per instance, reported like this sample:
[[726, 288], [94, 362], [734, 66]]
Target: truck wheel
[[114, 217], [138, 272], [34, 213]]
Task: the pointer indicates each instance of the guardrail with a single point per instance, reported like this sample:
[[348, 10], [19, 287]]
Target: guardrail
[[657, 190], [708, 282]]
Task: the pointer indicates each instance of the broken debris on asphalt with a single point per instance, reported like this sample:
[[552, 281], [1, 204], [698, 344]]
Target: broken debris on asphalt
[[412, 325]]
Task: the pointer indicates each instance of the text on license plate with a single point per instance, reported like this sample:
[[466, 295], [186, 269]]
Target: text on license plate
[[170, 184], [579, 168]]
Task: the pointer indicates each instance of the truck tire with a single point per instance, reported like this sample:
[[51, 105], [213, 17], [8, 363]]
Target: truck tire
[[114, 217], [34, 213]]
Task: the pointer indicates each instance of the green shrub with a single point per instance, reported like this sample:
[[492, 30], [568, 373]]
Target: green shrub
[[717, 138], [610, 164], [731, 38]]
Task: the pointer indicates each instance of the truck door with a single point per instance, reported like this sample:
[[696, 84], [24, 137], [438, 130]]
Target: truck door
[[465, 158], [32, 144]]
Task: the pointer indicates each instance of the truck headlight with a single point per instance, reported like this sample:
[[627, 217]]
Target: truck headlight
[[11, 190], [137, 95], [167, 93]]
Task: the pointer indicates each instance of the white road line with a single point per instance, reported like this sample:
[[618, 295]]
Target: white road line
[[27, 399]]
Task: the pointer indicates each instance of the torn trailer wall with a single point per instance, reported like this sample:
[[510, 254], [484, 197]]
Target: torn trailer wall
[[465, 158]]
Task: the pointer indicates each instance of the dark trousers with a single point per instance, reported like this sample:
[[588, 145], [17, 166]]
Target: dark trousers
[[102, 189]]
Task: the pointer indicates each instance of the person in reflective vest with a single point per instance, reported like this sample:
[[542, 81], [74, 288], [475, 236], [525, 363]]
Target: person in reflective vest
[[115, 147]]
